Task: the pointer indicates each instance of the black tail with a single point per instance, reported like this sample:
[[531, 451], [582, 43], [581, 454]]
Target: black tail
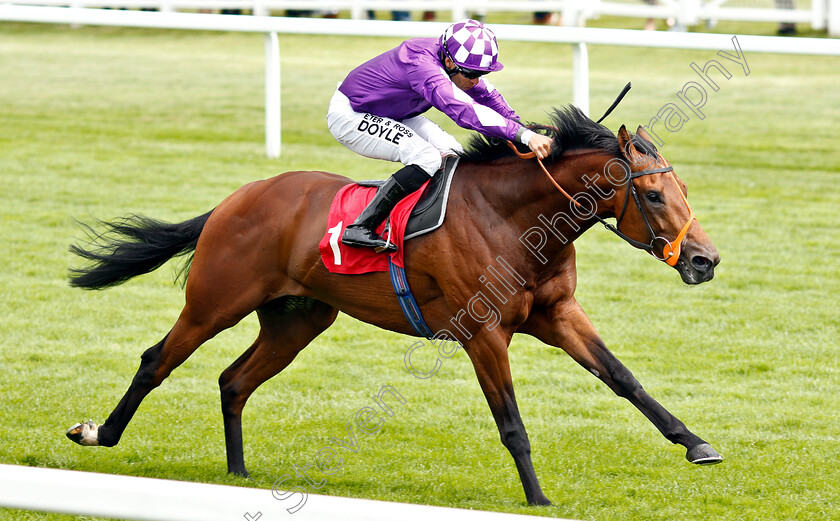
[[132, 246]]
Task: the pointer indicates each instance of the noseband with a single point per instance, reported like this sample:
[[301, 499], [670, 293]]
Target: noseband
[[670, 250]]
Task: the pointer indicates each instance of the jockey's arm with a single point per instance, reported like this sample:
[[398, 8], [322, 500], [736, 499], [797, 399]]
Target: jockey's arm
[[442, 93], [485, 93]]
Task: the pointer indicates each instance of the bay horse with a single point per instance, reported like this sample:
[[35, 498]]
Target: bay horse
[[258, 250]]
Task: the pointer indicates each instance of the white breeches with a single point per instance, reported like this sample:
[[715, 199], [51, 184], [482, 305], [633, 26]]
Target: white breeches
[[414, 141]]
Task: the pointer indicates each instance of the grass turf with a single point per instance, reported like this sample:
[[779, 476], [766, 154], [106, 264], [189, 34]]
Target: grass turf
[[99, 122]]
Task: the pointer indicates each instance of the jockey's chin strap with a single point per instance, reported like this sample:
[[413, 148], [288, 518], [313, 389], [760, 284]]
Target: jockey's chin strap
[[670, 250]]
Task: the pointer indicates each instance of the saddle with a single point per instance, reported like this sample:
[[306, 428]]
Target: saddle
[[418, 213], [430, 211]]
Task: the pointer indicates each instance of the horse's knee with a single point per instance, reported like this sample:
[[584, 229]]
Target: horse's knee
[[515, 439], [613, 373], [625, 384], [230, 390], [231, 404], [151, 356]]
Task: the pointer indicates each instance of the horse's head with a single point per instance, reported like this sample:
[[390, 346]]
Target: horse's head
[[655, 213]]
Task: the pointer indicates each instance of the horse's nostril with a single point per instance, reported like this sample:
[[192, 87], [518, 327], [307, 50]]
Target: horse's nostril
[[701, 263]]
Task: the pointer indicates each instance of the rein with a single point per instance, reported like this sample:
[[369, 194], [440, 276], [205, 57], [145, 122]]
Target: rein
[[671, 249]]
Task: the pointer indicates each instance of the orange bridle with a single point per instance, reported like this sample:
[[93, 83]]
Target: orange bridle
[[671, 249]]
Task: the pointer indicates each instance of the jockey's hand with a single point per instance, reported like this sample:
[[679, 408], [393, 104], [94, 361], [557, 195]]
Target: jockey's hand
[[540, 145]]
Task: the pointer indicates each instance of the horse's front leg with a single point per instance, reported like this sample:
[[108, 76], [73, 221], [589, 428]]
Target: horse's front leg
[[565, 325], [490, 359]]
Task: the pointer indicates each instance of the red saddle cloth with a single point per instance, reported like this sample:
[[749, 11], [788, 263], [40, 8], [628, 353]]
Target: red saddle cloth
[[346, 206]]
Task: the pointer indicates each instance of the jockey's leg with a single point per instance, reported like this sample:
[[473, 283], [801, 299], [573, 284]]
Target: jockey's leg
[[362, 232], [436, 136], [384, 138], [379, 137]]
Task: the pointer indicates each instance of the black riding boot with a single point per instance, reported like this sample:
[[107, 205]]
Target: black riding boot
[[362, 233]]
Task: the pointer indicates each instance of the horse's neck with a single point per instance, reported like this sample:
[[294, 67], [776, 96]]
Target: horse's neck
[[535, 213]]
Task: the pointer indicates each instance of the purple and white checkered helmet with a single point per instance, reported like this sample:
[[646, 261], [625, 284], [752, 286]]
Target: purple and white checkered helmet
[[472, 46]]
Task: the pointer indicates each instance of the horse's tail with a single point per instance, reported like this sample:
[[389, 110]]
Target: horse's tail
[[132, 246]]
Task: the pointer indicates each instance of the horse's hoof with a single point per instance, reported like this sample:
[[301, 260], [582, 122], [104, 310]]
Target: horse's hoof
[[84, 433], [541, 501], [703, 454]]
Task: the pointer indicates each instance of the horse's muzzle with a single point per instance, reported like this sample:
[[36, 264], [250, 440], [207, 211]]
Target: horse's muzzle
[[696, 265]]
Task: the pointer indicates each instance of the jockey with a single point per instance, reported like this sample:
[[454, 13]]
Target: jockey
[[376, 112]]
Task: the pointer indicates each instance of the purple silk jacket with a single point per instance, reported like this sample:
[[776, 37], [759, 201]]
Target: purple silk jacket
[[409, 80]]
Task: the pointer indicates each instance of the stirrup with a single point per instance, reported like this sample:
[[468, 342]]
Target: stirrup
[[368, 239], [389, 246]]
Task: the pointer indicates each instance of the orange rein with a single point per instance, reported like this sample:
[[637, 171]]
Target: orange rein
[[671, 250], [531, 155]]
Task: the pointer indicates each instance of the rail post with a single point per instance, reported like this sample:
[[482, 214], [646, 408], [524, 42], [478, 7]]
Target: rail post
[[580, 76], [272, 95]]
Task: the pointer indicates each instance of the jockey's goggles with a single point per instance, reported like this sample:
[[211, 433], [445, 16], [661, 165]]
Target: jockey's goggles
[[470, 74]]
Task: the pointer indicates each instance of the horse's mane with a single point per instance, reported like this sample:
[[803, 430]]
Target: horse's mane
[[570, 128]]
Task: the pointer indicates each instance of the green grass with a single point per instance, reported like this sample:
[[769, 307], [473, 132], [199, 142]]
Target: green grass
[[99, 122]]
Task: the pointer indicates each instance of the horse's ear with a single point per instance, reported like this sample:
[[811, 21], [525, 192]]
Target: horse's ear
[[626, 144], [642, 133]]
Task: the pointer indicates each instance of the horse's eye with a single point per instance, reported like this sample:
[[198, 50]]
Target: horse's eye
[[654, 197]]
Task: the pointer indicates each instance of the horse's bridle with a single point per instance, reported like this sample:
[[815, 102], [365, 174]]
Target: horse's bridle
[[671, 249]]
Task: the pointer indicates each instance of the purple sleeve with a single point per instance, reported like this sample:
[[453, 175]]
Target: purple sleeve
[[433, 84], [486, 94]]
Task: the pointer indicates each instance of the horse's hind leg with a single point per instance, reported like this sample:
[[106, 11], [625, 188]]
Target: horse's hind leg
[[288, 324], [205, 315]]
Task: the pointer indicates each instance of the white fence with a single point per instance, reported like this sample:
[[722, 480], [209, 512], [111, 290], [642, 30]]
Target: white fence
[[819, 13], [578, 37], [147, 499], [691, 12]]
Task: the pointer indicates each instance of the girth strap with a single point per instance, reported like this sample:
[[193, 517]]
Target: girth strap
[[409, 306]]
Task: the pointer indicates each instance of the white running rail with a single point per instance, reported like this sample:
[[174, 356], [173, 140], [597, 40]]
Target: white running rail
[[575, 12], [148, 499], [578, 37]]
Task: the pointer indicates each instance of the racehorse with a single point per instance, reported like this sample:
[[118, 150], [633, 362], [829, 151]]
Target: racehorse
[[258, 250]]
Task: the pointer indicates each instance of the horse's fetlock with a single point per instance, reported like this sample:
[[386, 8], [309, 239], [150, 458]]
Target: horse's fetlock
[[679, 434], [105, 439]]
